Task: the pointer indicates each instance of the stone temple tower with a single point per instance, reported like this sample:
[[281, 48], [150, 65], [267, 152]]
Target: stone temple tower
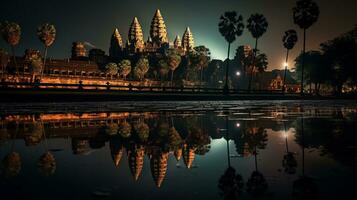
[[177, 42], [116, 44], [158, 32], [187, 40], [135, 36]]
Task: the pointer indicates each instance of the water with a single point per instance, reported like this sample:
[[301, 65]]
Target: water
[[173, 150]]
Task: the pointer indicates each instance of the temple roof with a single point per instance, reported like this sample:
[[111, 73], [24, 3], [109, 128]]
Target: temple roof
[[177, 42], [187, 40], [135, 35], [158, 31]]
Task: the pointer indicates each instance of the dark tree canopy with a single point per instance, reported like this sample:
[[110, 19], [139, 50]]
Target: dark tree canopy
[[305, 13], [257, 25], [231, 26], [290, 38]]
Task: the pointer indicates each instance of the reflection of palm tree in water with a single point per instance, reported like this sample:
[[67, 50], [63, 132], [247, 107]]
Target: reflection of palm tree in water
[[289, 161], [230, 183], [256, 184], [47, 162], [12, 162], [304, 187]]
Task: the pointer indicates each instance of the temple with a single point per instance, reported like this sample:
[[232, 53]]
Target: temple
[[156, 42]]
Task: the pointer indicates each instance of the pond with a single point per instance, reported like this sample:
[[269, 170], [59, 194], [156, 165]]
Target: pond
[[179, 150]]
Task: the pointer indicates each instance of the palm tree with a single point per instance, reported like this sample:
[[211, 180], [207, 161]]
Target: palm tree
[[305, 13], [230, 26], [124, 68], [289, 40], [47, 35], [11, 33], [141, 68], [257, 26], [173, 60], [163, 69], [201, 59], [261, 62], [111, 69]]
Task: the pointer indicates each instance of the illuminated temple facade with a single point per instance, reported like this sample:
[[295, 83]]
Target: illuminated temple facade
[[158, 39]]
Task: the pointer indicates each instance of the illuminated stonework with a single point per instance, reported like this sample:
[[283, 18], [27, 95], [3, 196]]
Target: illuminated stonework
[[135, 36], [177, 42], [158, 32], [158, 165], [116, 44], [187, 40]]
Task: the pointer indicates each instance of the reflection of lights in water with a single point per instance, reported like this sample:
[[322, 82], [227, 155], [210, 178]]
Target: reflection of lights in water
[[237, 125]]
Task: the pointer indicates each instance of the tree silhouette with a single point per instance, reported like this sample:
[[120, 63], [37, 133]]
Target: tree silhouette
[[11, 33], [305, 14], [47, 35], [163, 69], [340, 54], [200, 59], [257, 26], [230, 183], [316, 70], [289, 40], [230, 26], [173, 60], [4, 60], [304, 187]]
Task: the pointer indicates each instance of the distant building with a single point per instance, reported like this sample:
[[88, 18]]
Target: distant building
[[274, 80]]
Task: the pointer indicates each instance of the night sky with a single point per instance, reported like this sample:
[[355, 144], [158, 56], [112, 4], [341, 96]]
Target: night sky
[[93, 21]]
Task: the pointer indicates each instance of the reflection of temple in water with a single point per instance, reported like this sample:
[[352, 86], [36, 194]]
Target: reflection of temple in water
[[135, 134], [153, 135]]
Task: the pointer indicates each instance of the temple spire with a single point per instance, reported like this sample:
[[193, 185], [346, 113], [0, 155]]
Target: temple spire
[[116, 44], [158, 31], [135, 36], [177, 42], [187, 40]]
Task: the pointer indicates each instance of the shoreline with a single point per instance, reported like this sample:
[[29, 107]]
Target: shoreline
[[19, 95]]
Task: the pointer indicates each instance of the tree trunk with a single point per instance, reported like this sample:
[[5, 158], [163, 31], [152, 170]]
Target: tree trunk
[[286, 68], [201, 78], [14, 57], [253, 65], [303, 64], [172, 77], [226, 88], [44, 61]]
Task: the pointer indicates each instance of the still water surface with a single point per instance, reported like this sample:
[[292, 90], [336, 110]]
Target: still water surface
[[172, 150]]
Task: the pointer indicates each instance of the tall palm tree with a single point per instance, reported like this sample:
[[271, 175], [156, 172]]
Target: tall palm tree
[[47, 35], [257, 26], [230, 26], [305, 13], [173, 60], [202, 59], [11, 33], [289, 40]]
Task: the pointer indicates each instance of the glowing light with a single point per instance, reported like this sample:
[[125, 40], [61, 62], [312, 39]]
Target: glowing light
[[285, 64], [238, 73], [237, 125]]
